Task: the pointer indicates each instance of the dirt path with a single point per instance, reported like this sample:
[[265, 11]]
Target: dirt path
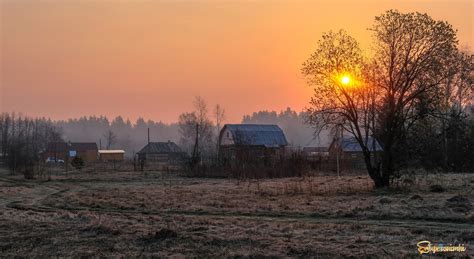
[[31, 193], [35, 193]]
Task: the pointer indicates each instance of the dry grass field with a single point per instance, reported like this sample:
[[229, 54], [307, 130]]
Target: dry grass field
[[163, 214]]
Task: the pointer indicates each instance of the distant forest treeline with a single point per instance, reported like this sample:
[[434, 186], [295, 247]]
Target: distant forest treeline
[[132, 136], [23, 138]]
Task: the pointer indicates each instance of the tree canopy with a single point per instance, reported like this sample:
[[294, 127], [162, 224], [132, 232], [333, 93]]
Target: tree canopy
[[384, 95]]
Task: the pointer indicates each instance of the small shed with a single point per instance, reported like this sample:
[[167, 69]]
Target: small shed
[[251, 142], [111, 155], [167, 153], [350, 151]]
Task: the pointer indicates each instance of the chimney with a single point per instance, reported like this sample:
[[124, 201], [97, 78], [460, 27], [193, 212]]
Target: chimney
[[148, 135]]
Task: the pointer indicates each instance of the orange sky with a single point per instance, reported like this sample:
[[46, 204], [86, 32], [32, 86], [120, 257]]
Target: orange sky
[[68, 58]]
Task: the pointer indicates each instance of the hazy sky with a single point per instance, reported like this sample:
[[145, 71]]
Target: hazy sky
[[68, 58]]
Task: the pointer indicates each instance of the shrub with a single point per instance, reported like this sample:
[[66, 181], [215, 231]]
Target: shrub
[[77, 162], [296, 164]]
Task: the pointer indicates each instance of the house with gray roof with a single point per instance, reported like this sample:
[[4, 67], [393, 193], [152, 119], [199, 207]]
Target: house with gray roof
[[166, 153], [350, 152], [245, 142]]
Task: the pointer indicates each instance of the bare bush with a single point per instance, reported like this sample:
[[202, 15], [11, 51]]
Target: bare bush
[[294, 164]]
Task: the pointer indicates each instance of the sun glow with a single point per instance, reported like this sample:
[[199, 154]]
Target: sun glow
[[345, 80]]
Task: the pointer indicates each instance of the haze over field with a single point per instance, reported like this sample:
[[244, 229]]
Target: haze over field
[[65, 59]]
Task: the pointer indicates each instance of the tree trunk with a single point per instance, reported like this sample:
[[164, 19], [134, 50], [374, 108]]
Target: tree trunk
[[374, 171], [387, 166]]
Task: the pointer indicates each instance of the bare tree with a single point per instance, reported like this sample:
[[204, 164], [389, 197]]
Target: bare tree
[[110, 138], [456, 93], [219, 116], [460, 83], [187, 128], [342, 98], [5, 121], [412, 57], [23, 139], [196, 130], [200, 107]]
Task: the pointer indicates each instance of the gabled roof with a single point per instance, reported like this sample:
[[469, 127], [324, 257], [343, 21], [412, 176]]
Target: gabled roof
[[108, 151], [76, 146], [256, 134], [57, 147], [350, 144], [83, 146], [160, 147]]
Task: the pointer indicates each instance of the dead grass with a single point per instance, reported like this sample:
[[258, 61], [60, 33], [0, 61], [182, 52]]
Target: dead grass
[[132, 214]]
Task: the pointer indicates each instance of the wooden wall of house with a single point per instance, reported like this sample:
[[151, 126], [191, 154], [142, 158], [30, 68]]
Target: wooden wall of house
[[172, 158], [231, 154], [157, 157], [225, 138], [107, 157], [89, 156]]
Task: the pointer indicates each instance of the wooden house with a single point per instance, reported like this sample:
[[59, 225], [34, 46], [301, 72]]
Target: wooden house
[[251, 143], [349, 152], [88, 151], [56, 151], [165, 153]]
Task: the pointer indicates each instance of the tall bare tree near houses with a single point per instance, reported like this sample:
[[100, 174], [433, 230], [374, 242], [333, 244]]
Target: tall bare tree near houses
[[219, 116], [196, 130], [457, 91], [110, 139], [387, 94]]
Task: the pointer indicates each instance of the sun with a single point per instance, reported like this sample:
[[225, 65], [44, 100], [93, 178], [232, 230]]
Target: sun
[[345, 80]]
